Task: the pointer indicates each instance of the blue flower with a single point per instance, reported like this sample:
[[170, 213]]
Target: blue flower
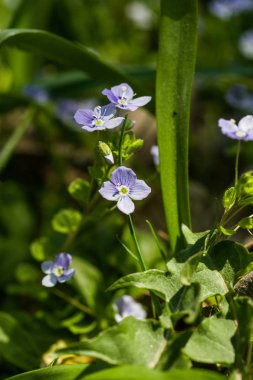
[[123, 187], [246, 44], [98, 119], [242, 131], [37, 93], [122, 96], [126, 306], [240, 97], [155, 154], [228, 8], [57, 270]]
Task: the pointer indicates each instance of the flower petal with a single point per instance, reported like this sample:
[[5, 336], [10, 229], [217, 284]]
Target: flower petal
[[123, 176], [110, 95], [47, 266], [108, 110], [138, 102], [246, 123], [227, 126], [140, 190], [125, 205], [93, 128], [109, 191], [113, 123], [83, 116], [63, 260], [66, 275], [49, 281]]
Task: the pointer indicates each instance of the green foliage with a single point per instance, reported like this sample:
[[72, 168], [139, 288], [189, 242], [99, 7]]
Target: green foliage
[[113, 345], [211, 341], [67, 221], [246, 223], [79, 189], [229, 197]]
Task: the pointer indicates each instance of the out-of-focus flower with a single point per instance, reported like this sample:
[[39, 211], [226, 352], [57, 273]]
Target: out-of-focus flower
[[155, 154], [239, 97], [57, 270], [225, 9], [122, 96], [246, 44], [126, 306], [123, 187], [106, 152], [140, 14], [98, 119], [37, 93], [66, 108], [242, 131]]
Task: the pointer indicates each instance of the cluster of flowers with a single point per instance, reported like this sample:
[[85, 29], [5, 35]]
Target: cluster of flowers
[[123, 187]]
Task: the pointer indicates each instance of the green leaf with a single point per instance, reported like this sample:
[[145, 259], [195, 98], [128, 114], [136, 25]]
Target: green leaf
[[141, 373], [168, 284], [12, 337], [190, 267], [79, 189], [67, 221], [229, 258], [64, 52], [192, 237], [125, 343], [211, 342], [246, 223], [226, 231], [229, 197], [175, 71], [63, 372], [41, 248], [186, 303], [88, 281], [83, 372]]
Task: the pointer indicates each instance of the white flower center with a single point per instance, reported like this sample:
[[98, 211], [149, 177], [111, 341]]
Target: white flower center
[[241, 134], [123, 190]]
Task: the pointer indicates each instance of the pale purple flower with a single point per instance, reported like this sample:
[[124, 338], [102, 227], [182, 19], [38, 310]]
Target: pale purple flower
[[155, 154], [123, 187], [98, 119], [246, 44], [240, 97], [122, 96], [225, 9], [37, 93], [242, 131], [126, 306], [57, 270]]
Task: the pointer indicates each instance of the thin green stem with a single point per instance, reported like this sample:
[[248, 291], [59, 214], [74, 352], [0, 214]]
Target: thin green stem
[[249, 357], [15, 138], [237, 161], [121, 139], [73, 302], [138, 250]]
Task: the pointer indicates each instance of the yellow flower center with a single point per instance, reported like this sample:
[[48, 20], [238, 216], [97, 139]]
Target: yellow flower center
[[240, 134], [123, 190]]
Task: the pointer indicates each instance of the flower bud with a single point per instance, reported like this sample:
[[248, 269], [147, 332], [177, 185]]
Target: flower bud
[[106, 152]]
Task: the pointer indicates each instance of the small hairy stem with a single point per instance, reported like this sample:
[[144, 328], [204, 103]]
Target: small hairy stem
[[73, 302], [138, 250], [121, 139], [237, 161]]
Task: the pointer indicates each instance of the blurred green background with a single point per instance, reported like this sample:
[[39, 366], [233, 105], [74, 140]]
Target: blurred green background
[[53, 152]]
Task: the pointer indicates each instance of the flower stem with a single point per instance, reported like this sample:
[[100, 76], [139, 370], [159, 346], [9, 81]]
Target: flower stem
[[15, 138], [138, 250], [73, 302], [121, 139], [237, 161]]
